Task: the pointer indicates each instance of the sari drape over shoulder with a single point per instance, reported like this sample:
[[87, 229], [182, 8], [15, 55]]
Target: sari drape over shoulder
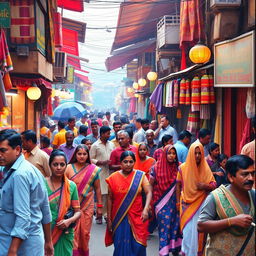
[[61, 201], [127, 202], [84, 180], [144, 166]]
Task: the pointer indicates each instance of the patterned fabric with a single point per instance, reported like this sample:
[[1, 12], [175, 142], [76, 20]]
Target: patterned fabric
[[182, 91], [158, 153], [205, 112], [187, 94], [212, 94], [205, 90], [193, 124], [176, 93], [22, 22], [195, 95]]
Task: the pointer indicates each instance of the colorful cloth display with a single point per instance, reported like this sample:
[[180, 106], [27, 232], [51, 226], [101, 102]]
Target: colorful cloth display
[[187, 95], [212, 95], [176, 84], [182, 91], [193, 122], [195, 92], [205, 90], [156, 97]]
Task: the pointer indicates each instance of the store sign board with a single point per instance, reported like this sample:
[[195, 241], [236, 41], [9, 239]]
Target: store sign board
[[234, 62], [5, 15]]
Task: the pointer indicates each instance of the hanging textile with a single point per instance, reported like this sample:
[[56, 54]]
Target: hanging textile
[[195, 91], [156, 97], [205, 90], [195, 108], [132, 106], [164, 95], [176, 84], [212, 94], [182, 91], [246, 134], [23, 22], [146, 111], [169, 99], [250, 103], [205, 112], [3, 101], [72, 5], [187, 96], [58, 39], [191, 26], [152, 110], [5, 61], [193, 122]]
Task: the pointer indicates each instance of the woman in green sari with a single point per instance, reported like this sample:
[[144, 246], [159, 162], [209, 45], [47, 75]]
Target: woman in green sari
[[63, 197]]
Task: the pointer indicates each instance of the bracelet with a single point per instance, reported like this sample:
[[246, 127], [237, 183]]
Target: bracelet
[[229, 223], [99, 205]]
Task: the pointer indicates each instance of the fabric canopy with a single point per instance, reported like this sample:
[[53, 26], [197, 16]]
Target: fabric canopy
[[127, 54], [83, 78], [27, 82], [72, 5], [137, 20]]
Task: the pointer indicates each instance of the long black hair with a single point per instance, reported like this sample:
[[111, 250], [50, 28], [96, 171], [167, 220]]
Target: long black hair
[[73, 158]]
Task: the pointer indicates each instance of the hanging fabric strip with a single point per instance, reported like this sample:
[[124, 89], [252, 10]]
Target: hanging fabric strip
[[195, 94], [205, 90], [187, 96], [212, 94], [182, 91], [176, 93]]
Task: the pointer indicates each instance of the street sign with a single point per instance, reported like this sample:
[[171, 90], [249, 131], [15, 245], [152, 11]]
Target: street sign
[[5, 15]]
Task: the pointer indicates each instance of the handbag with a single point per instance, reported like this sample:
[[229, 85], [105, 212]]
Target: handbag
[[69, 214]]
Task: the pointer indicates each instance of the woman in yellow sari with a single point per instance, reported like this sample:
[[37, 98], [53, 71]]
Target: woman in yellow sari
[[86, 176], [194, 181]]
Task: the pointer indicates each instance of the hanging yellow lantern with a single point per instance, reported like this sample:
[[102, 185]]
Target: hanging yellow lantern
[[152, 76], [200, 54], [129, 90], [135, 86], [136, 95], [34, 93], [142, 82]]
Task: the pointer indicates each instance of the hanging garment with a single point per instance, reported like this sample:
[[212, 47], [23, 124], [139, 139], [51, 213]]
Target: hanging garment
[[246, 134], [205, 112], [176, 84], [193, 122], [187, 96], [164, 95], [182, 91], [169, 99], [212, 94], [195, 91], [157, 97], [250, 103], [205, 90]]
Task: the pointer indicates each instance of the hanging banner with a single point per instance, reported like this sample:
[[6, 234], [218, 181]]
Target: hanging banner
[[234, 62], [5, 16]]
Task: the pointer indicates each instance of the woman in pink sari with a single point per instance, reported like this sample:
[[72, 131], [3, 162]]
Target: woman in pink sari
[[86, 176]]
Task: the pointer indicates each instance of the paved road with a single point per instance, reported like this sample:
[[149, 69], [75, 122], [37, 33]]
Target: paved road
[[97, 246]]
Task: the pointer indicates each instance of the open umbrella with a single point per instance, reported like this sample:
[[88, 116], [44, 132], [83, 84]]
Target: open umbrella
[[68, 109]]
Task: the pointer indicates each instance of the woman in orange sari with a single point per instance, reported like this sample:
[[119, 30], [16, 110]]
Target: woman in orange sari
[[86, 176], [62, 197], [127, 223], [194, 181], [143, 161]]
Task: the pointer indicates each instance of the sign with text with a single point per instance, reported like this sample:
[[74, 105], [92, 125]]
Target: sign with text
[[234, 62], [5, 15]]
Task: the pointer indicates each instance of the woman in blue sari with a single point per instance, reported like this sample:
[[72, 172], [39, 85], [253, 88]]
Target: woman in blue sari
[[163, 179]]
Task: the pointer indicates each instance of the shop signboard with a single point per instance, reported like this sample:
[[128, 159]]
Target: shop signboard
[[5, 15], [234, 62]]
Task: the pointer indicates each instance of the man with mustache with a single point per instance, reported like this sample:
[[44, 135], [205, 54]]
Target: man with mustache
[[228, 214]]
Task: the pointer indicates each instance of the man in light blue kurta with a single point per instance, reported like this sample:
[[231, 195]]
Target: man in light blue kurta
[[182, 145], [24, 208]]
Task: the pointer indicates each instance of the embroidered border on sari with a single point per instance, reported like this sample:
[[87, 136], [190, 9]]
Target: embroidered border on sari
[[128, 199]]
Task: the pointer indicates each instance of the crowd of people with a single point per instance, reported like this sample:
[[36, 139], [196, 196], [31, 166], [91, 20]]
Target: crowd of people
[[134, 175]]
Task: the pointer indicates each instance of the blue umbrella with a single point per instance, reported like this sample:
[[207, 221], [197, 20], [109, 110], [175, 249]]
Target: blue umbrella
[[69, 109]]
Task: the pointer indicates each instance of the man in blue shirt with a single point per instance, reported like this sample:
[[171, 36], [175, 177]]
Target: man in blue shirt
[[165, 129], [182, 145], [82, 134], [24, 208]]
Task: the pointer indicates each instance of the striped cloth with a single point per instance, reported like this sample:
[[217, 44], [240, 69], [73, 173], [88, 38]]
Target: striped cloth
[[187, 94]]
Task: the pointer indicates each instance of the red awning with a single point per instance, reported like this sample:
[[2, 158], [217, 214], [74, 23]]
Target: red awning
[[137, 21], [85, 71], [27, 82], [83, 78], [70, 45], [72, 5], [127, 54]]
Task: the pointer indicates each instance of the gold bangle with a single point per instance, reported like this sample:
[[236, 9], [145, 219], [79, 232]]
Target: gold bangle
[[229, 223]]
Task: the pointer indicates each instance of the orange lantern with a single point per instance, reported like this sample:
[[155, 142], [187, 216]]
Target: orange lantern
[[152, 76], [199, 54], [34, 93], [142, 82]]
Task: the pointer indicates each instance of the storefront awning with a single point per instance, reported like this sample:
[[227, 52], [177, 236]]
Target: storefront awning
[[78, 26], [84, 79], [193, 68], [24, 83], [123, 56], [137, 20], [72, 5]]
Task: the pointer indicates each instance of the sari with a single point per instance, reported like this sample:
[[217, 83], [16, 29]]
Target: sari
[[192, 200], [84, 180], [229, 241], [144, 166], [129, 233], [60, 201], [164, 198]]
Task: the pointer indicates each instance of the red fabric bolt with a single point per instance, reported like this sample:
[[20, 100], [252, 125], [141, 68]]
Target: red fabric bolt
[[58, 39], [195, 95], [187, 96], [182, 91], [205, 90], [212, 94]]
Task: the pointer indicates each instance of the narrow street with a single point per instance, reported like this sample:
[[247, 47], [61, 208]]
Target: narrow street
[[97, 247]]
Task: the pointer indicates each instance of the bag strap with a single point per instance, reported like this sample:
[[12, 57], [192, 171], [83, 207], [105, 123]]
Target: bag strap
[[249, 235]]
